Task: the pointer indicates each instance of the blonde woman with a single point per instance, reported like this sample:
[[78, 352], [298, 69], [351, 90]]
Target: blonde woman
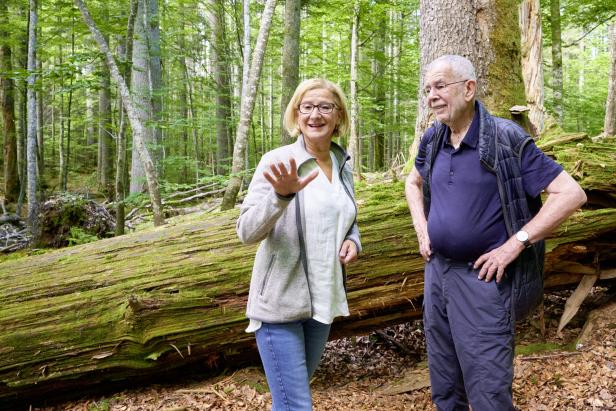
[[301, 208]]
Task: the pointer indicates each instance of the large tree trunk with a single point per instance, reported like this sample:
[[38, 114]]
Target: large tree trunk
[[487, 34], [290, 60], [140, 90], [532, 68], [248, 104], [138, 127], [150, 302], [557, 61], [609, 125], [7, 105]]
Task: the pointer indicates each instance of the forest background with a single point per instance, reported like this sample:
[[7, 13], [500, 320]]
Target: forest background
[[186, 66]]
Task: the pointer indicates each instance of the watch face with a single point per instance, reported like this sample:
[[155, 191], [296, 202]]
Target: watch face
[[522, 236]]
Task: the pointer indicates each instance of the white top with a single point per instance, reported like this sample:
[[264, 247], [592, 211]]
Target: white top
[[329, 213]]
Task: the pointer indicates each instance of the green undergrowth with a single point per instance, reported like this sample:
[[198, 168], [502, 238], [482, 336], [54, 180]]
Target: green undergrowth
[[538, 348]]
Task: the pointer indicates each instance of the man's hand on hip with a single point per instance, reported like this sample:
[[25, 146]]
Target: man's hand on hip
[[494, 262]]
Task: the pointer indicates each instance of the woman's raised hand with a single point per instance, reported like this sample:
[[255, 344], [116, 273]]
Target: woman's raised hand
[[287, 182]]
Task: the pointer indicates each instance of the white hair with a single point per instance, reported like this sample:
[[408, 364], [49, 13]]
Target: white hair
[[460, 66]]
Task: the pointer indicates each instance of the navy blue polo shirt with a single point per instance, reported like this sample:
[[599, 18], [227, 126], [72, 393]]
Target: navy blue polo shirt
[[465, 219]]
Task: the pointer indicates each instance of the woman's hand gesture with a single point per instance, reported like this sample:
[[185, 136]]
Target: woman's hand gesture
[[287, 182]]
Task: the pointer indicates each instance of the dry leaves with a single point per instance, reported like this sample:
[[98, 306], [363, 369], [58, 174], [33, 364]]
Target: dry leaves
[[367, 373]]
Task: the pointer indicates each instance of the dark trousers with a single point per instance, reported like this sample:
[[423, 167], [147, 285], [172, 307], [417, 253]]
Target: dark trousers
[[469, 336]]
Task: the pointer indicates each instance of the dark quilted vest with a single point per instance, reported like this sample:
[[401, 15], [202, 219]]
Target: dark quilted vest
[[500, 145]]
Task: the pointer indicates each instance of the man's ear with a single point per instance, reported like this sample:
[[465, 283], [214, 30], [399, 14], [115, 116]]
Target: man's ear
[[470, 89]]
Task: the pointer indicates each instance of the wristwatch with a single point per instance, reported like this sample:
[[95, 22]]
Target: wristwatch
[[522, 236]]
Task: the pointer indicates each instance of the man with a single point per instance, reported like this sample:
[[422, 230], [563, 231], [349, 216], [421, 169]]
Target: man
[[474, 196]]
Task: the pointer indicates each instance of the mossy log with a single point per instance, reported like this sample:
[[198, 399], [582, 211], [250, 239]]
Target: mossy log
[[154, 301]]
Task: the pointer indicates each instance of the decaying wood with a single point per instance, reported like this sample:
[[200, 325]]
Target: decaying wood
[[153, 301], [576, 299]]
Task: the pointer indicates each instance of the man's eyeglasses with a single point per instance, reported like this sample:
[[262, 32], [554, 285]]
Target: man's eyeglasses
[[439, 87], [324, 108]]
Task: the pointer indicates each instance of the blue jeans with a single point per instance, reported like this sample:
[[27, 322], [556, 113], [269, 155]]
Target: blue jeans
[[290, 353]]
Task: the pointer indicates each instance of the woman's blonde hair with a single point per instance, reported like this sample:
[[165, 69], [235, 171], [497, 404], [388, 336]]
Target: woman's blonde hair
[[291, 115]]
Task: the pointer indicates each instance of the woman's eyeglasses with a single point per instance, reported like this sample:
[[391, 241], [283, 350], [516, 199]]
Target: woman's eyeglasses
[[324, 108]]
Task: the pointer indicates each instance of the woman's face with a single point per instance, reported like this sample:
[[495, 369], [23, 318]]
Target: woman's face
[[315, 125]]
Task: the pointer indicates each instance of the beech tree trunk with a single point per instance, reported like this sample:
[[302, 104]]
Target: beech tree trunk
[[220, 73], [290, 60], [354, 145], [532, 68], [140, 90], [248, 104], [609, 126], [557, 61], [7, 105], [138, 127], [31, 149], [486, 33]]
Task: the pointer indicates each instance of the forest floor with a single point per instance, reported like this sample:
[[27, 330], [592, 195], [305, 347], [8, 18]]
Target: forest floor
[[386, 370]]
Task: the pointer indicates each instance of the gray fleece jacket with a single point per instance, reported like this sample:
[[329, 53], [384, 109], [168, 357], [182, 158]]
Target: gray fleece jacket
[[279, 290]]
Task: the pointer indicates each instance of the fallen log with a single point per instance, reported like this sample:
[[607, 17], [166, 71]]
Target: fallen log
[[154, 301]]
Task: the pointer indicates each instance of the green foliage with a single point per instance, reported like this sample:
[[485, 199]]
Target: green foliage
[[78, 235]]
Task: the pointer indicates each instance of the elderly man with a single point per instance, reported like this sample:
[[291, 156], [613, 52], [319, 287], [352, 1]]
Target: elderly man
[[474, 196]]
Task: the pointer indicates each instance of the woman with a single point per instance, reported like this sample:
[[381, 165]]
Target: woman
[[301, 207]]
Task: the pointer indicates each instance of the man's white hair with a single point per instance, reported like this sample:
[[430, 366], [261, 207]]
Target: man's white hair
[[460, 66]]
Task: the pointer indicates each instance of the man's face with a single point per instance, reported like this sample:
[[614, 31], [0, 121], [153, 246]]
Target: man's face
[[447, 95]]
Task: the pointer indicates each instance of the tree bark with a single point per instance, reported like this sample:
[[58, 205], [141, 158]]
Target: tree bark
[[354, 145], [7, 105], [105, 130], [557, 61], [248, 104], [220, 73], [81, 316], [532, 68], [290, 60], [121, 154], [136, 124], [609, 125], [486, 33], [31, 150], [152, 23], [141, 92], [378, 74]]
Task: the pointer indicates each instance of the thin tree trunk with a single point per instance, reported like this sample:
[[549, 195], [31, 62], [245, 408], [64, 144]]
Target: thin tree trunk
[[487, 39], [156, 81], [64, 176], [557, 61], [378, 73], [121, 154], [532, 67], [247, 108], [220, 73], [105, 140], [136, 124], [354, 146], [40, 146], [31, 151], [290, 60], [62, 140], [7, 105], [90, 139], [609, 125]]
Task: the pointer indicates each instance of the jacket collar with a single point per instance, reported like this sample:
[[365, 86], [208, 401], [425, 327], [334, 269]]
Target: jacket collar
[[306, 162]]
